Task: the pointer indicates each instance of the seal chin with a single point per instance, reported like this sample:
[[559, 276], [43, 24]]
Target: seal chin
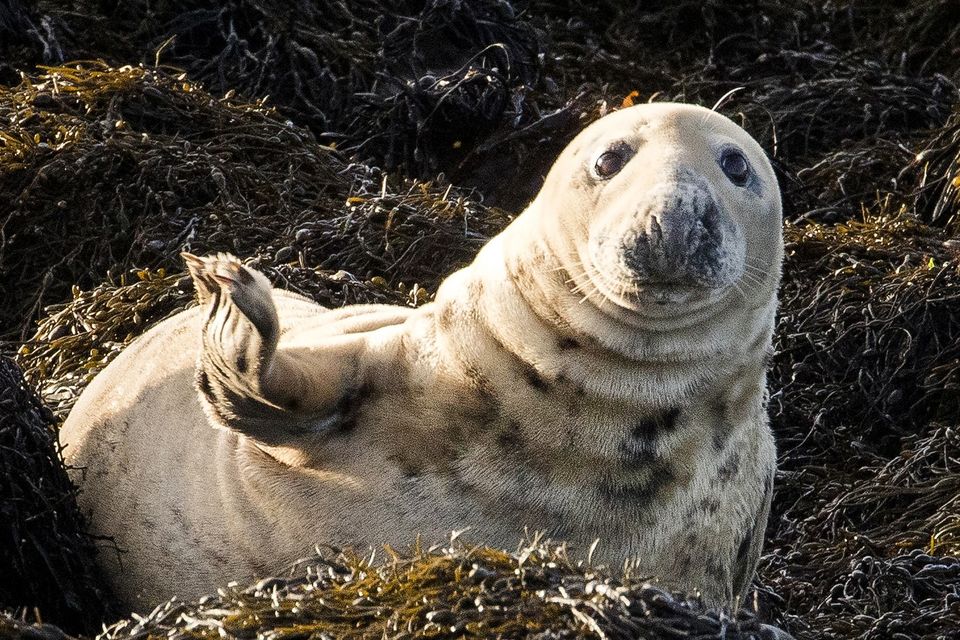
[[647, 298]]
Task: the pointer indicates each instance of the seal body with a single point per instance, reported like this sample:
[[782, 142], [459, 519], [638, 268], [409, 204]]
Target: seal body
[[598, 372]]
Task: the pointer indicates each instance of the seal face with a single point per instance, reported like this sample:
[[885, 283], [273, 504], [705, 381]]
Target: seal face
[[598, 372], [674, 197]]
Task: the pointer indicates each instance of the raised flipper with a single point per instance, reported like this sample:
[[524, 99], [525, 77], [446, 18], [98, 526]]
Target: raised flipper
[[249, 386]]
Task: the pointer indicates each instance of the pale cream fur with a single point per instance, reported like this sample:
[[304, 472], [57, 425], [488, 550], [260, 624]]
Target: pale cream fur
[[539, 390]]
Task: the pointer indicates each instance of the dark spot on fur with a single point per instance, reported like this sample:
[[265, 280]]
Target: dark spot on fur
[[710, 506], [242, 363], [510, 438], [639, 494], [293, 404], [349, 406], [534, 379], [638, 451], [478, 380], [652, 427], [486, 409], [574, 388], [722, 427], [730, 468], [489, 409], [203, 383], [640, 445], [525, 369], [476, 287], [445, 317], [566, 344]]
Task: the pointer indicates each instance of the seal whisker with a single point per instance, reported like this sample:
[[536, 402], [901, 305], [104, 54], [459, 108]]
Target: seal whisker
[[756, 272], [752, 277], [750, 282], [592, 276], [736, 286], [567, 267], [756, 264]]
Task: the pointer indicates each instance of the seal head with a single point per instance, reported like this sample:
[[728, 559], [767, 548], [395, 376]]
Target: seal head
[[664, 209]]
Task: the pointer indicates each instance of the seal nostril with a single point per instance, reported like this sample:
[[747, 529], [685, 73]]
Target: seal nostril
[[656, 231], [636, 253]]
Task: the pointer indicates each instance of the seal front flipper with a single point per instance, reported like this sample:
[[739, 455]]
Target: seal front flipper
[[248, 385]]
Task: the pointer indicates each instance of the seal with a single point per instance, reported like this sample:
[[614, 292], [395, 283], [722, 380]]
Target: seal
[[598, 372]]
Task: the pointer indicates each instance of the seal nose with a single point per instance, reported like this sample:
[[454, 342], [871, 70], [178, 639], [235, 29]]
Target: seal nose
[[678, 239]]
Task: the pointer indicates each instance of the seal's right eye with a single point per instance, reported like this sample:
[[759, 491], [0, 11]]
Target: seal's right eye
[[608, 164]]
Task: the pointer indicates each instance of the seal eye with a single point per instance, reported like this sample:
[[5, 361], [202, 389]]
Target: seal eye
[[736, 167], [609, 163]]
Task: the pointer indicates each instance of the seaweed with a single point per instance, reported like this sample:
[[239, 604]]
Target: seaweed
[[46, 556], [865, 379], [868, 341], [455, 590], [309, 137], [933, 177], [107, 169], [488, 93], [399, 85]]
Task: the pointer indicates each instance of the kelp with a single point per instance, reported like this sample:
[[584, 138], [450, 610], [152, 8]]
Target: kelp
[[335, 193], [862, 541], [406, 84], [454, 590], [933, 177], [46, 556], [868, 340], [105, 170]]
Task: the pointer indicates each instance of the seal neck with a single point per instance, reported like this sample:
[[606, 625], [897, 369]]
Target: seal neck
[[515, 300]]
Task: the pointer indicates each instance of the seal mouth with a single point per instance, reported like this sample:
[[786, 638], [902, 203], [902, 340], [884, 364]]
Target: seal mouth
[[665, 293], [660, 297]]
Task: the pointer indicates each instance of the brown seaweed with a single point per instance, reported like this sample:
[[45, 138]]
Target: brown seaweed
[[46, 555], [856, 103]]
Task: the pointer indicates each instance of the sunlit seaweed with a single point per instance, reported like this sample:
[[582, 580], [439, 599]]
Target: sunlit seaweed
[[108, 169], [856, 103]]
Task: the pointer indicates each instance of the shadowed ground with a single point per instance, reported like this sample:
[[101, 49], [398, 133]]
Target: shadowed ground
[[106, 174]]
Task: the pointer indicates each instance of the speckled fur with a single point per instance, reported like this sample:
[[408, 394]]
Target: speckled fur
[[523, 396]]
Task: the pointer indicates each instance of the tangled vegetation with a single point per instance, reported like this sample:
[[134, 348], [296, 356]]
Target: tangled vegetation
[[46, 558], [311, 141]]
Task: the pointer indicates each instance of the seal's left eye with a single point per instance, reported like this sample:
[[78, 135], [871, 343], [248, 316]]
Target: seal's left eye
[[609, 163], [736, 167]]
